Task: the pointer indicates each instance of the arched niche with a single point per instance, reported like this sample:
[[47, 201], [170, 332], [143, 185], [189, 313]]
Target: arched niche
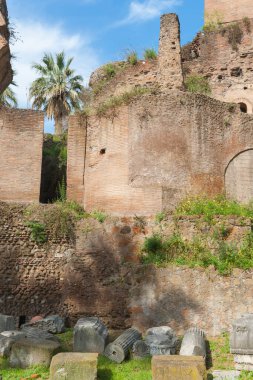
[[243, 107], [239, 177]]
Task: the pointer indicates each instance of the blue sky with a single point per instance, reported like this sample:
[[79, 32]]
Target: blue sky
[[92, 31]]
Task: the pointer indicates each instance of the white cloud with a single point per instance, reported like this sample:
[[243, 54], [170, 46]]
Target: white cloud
[[147, 10], [36, 38]]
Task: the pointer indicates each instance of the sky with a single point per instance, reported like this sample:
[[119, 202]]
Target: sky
[[94, 32]]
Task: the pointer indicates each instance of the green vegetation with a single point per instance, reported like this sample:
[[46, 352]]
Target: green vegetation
[[209, 207], [129, 370], [235, 35], [17, 374], [110, 70], [108, 108], [58, 90], [213, 23], [219, 356], [99, 215], [197, 84], [247, 24], [8, 98], [54, 167], [150, 54], [132, 57], [209, 246], [38, 232], [160, 217]]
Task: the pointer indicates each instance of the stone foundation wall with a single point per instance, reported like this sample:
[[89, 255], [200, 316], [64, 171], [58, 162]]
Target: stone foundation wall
[[21, 140], [229, 10], [100, 275]]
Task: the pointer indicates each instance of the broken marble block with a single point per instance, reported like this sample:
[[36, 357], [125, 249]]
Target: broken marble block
[[120, 348], [161, 341], [226, 375], [53, 324], [194, 343], [74, 366], [90, 335], [31, 352], [6, 323], [241, 342], [7, 339], [36, 333], [140, 349], [178, 368]]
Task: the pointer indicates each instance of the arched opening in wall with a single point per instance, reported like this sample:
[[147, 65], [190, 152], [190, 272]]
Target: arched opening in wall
[[239, 177], [243, 107]]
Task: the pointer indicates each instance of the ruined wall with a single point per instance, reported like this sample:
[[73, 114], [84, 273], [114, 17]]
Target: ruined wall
[[227, 66], [5, 66], [21, 139], [229, 10], [96, 276]]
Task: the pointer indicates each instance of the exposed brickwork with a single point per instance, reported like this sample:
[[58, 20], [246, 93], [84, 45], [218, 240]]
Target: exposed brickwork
[[229, 72], [76, 157], [170, 70], [229, 10], [21, 139], [6, 73], [96, 276]]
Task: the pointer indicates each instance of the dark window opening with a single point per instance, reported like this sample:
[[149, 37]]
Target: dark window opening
[[103, 151], [22, 320], [243, 107]]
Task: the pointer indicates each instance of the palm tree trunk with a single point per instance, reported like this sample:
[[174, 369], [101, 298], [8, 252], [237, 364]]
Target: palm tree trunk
[[58, 126]]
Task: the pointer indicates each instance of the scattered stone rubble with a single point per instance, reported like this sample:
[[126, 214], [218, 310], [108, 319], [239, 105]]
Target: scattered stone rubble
[[119, 349]]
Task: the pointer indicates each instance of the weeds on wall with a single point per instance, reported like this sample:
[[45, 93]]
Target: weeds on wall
[[99, 215], [150, 54], [38, 232], [247, 24], [206, 249], [213, 22], [197, 84], [109, 108], [132, 57], [234, 34]]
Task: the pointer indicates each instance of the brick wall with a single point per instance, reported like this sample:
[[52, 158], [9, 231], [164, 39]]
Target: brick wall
[[228, 71], [96, 277], [230, 10], [5, 66], [21, 139]]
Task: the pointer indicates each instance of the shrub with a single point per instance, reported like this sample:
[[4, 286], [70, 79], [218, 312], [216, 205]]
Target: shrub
[[150, 54], [235, 35], [160, 217], [110, 70], [213, 23], [153, 244], [132, 57], [99, 215], [38, 231], [247, 24], [197, 84]]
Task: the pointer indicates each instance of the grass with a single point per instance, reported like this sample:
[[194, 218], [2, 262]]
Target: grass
[[210, 207], [129, 370], [150, 54], [132, 57], [197, 84]]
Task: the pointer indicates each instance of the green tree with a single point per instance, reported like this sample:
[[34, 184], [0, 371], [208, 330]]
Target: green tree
[[58, 90], [8, 98]]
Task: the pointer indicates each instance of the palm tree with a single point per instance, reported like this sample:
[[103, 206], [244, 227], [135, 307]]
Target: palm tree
[[8, 98], [57, 91]]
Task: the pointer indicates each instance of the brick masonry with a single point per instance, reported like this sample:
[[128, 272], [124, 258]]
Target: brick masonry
[[21, 139], [99, 275], [229, 10]]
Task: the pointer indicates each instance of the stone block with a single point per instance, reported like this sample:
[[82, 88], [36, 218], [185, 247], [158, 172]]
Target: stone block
[[6, 323], [241, 339], [161, 341], [90, 335], [120, 348], [30, 352], [226, 375], [244, 362], [53, 324], [194, 343], [36, 333], [7, 339], [140, 349], [74, 366], [178, 368]]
